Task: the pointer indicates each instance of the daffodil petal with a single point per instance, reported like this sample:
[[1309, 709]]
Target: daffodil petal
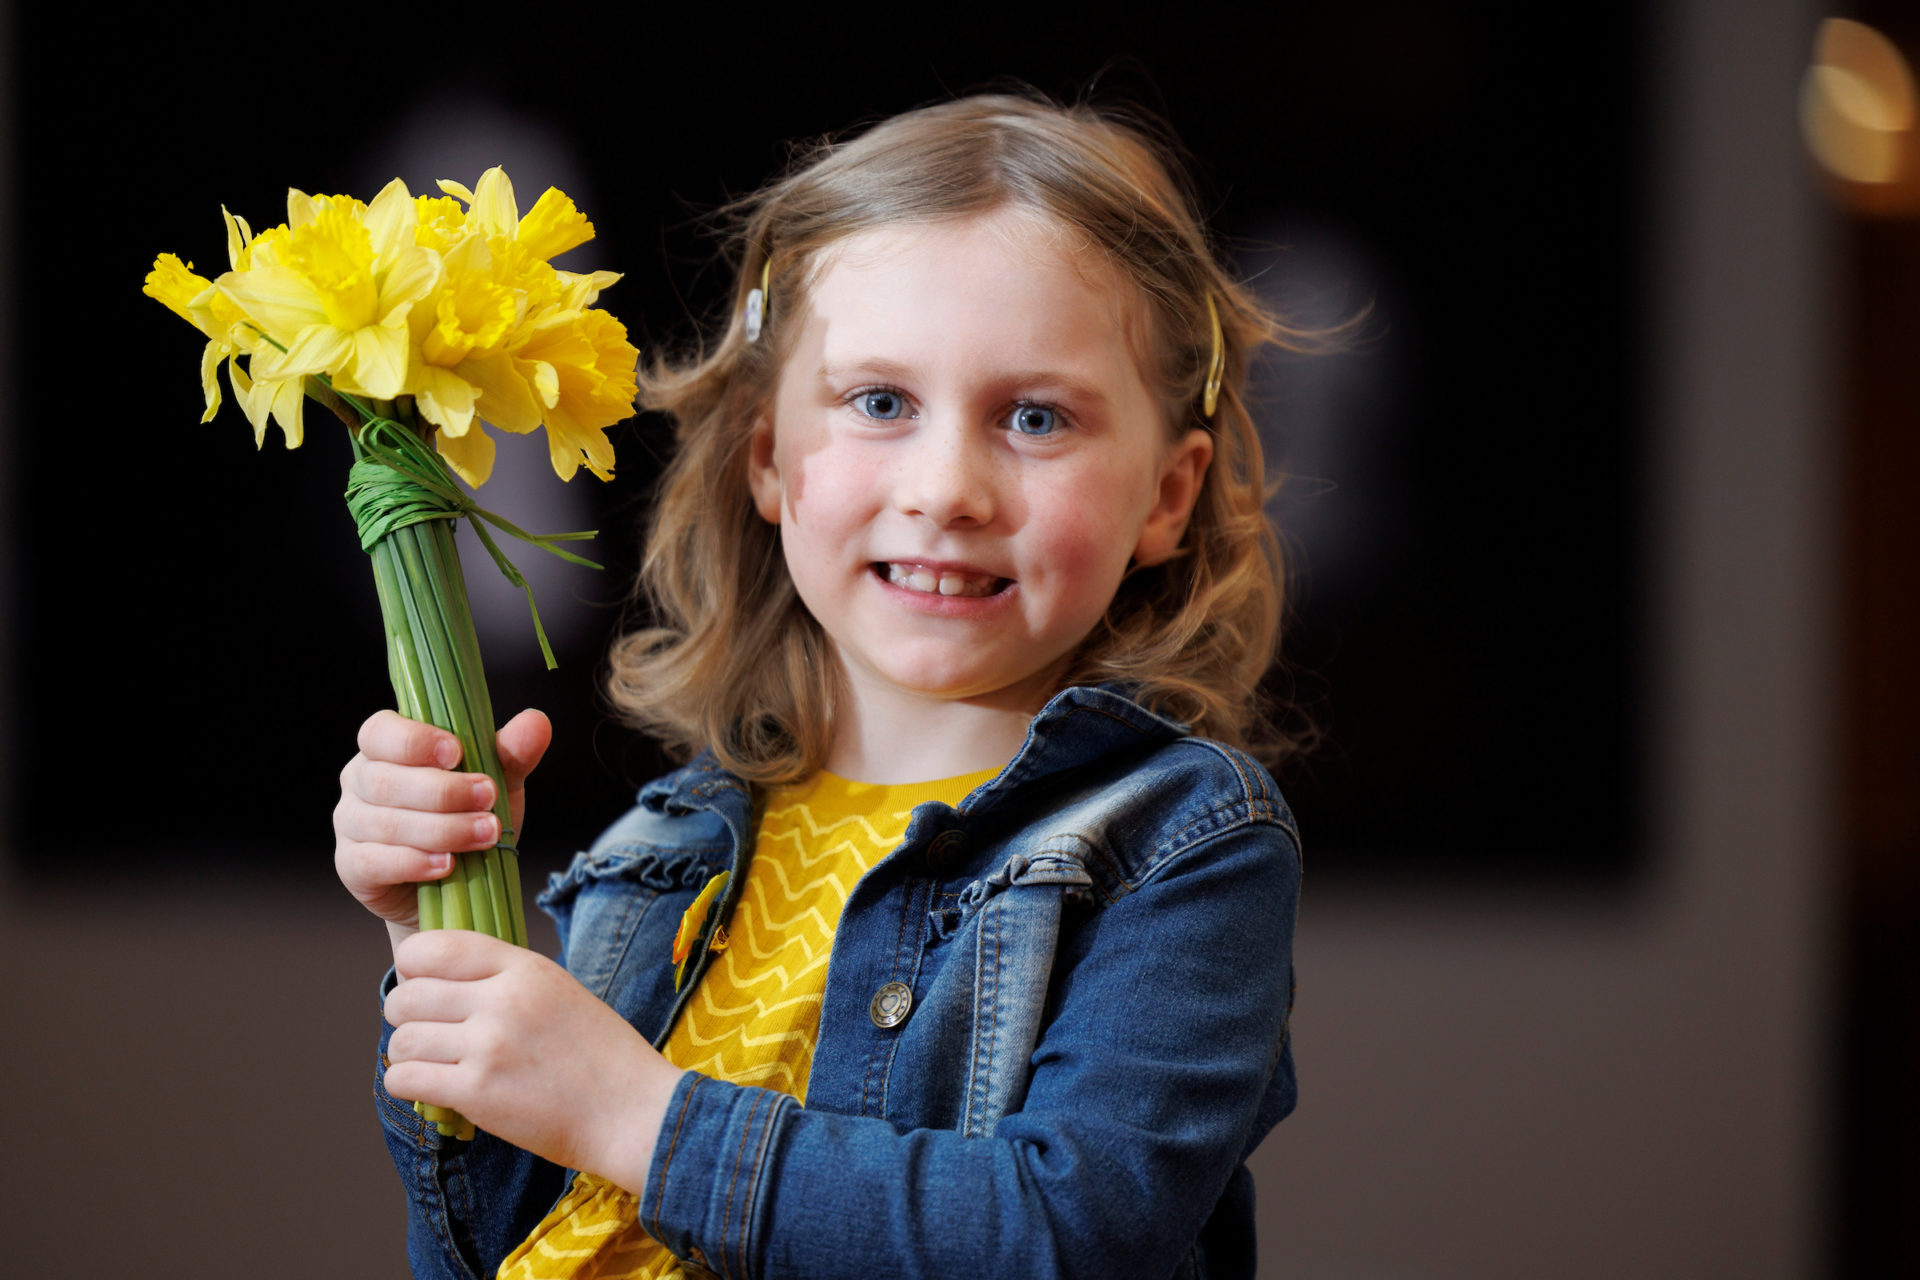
[[543, 378], [300, 208], [391, 219], [209, 377], [505, 398], [492, 206], [289, 406], [413, 275], [470, 455], [256, 400], [582, 291], [565, 461], [319, 348], [444, 398], [569, 445], [274, 298], [237, 238], [553, 226], [456, 190], [378, 365]]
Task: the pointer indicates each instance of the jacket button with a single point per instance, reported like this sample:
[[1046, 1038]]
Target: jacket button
[[890, 1005], [947, 848]]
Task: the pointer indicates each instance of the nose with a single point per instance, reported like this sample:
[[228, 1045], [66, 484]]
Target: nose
[[946, 475]]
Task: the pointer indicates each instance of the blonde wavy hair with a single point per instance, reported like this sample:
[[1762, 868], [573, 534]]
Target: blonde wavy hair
[[731, 660]]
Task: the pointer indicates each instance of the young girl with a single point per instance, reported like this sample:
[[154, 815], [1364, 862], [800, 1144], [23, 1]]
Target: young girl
[[963, 946]]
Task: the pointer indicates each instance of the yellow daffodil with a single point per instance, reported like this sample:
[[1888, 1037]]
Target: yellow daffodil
[[450, 300], [551, 366], [441, 222], [459, 364], [334, 293], [175, 285], [592, 367]]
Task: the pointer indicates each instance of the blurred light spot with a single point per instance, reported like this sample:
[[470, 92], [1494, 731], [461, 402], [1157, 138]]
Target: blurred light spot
[[1857, 105], [459, 136], [1326, 422]]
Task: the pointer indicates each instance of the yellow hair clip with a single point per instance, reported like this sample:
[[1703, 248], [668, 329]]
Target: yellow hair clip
[[1217, 366], [757, 302]]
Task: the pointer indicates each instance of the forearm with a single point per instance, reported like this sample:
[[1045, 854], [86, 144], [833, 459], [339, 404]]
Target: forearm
[[761, 1187]]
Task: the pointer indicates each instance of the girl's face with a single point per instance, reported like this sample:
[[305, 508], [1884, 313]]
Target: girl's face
[[963, 456]]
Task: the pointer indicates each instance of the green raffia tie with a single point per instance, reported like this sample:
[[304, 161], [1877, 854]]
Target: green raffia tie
[[401, 481]]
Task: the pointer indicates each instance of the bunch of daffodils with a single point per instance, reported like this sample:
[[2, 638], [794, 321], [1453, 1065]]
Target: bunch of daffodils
[[449, 300], [416, 320]]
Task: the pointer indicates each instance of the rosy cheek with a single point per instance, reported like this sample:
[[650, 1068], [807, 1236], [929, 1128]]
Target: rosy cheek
[[829, 491]]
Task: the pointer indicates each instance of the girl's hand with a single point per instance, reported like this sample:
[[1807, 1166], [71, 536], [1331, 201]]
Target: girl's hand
[[403, 813], [513, 1042]]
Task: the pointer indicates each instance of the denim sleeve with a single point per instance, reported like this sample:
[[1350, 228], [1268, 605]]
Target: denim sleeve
[[468, 1203], [1165, 1059]]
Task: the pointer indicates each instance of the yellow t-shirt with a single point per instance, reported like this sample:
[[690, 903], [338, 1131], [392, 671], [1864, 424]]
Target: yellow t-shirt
[[754, 1018]]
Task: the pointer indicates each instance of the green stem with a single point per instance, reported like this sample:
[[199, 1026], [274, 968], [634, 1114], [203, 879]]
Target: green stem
[[442, 558], [426, 614], [434, 662]]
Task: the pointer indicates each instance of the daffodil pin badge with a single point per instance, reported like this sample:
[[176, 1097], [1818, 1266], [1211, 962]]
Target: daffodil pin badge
[[692, 923]]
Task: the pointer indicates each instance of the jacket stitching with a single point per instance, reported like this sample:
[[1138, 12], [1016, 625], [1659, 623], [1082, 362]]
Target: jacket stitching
[[459, 1184], [442, 1224], [753, 1179], [980, 1089], [407, 1120], [1252, 783], [660, 1196], [733, 1183]]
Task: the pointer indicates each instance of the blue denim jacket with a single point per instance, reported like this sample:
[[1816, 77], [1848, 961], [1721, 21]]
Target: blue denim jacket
[[1098, 949]]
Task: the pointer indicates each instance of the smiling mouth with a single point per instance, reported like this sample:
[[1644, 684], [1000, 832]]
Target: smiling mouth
[[940, 582]]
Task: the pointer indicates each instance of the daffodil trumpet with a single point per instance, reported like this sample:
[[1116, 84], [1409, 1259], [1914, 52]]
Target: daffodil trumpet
[[420, 322]]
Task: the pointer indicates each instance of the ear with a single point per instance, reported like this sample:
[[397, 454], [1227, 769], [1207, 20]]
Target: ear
[[1181, 475], [763, 472]]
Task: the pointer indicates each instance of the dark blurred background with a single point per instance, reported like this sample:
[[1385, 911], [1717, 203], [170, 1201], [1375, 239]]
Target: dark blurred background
[[1481, 191], [1604, 562]]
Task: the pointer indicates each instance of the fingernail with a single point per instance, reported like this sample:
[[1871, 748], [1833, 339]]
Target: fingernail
[[447, 752], [483, 828], [483, 794], [440, 863]]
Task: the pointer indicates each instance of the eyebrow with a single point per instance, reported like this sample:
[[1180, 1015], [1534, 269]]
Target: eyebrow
[[1039, 380]]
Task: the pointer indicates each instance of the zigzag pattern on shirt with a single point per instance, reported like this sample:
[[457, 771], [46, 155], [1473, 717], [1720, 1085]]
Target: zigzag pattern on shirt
[[591, 1235], [757, 1012]]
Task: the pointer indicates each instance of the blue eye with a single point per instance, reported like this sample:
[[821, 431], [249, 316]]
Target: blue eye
[[881, 404], [1034, 420]]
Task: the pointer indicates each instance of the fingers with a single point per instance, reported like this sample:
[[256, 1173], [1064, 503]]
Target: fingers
[[522, 741], [388, 735], [401, 786], [375, 866], [431, 1082], [422, 1041], [425, 1002], [458, 955], [362, 823]]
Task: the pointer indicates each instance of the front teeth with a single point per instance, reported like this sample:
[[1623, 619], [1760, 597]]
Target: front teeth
[[915, 578]]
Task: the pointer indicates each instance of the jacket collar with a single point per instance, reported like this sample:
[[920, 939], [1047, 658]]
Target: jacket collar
[[1078, 725]]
